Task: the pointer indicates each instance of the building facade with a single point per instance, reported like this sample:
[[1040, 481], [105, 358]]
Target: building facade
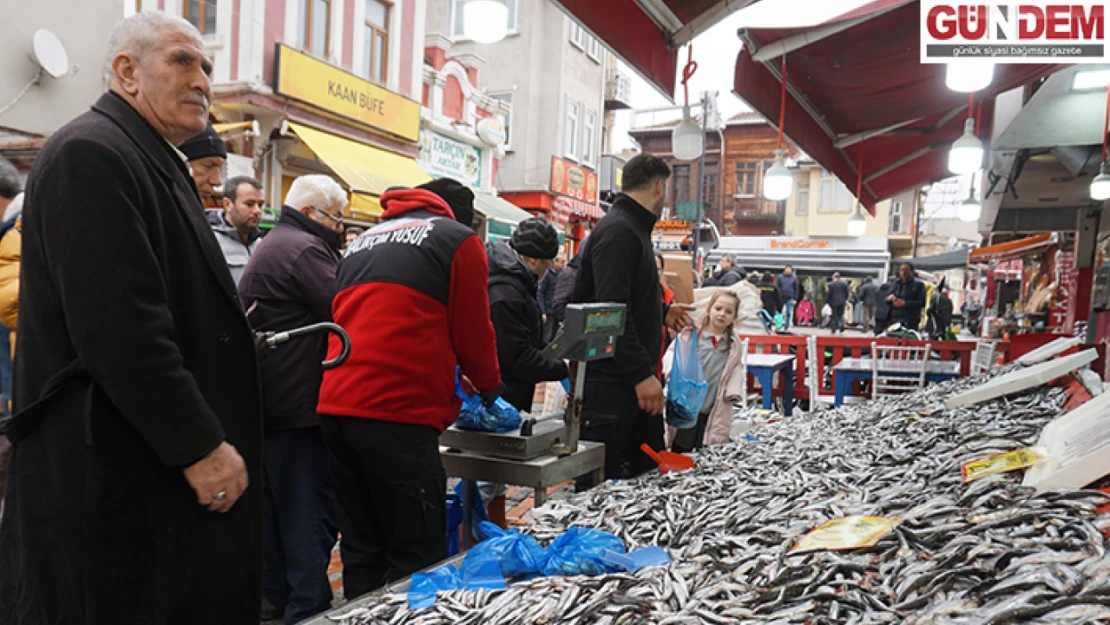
[[548, 76]]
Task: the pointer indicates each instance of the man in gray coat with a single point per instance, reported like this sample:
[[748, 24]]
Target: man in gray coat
[[236, 224], [869, 298]]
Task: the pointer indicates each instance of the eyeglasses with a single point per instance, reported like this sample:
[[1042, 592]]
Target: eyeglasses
[[335, 220]]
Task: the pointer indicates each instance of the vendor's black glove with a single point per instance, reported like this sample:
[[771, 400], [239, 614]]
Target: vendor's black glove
[[489, 398]]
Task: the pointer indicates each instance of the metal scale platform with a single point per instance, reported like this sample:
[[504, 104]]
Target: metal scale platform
[[545, 450]]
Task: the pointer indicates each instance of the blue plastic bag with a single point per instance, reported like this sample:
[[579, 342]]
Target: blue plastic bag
[[579, 551], [474, 415], [514, 553], [686, 388], [422, 593], [635, 560]]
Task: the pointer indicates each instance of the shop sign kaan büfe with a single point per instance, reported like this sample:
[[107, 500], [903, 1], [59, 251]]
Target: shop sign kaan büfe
[[312, 81]]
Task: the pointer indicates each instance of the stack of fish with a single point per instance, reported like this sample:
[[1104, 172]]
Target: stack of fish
[[988, 552]]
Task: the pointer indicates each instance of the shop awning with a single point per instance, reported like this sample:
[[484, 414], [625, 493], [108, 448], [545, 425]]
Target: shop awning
[[854, 263], [646, 34], [563, 209], [367, 170], [858, 81], [497, 209], [226, 130], [1013, 249], [955, 259]]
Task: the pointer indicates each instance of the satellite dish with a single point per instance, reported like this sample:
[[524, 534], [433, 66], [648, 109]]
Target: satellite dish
[[49, 53]]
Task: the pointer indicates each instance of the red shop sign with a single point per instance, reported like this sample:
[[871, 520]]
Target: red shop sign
[[573, 181]]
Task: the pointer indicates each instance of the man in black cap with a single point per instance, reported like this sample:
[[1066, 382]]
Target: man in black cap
[[515, 270], [207, 156], [412, 294]]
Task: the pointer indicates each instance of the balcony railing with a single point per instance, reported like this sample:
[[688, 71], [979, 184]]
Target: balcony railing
[[618, 92]]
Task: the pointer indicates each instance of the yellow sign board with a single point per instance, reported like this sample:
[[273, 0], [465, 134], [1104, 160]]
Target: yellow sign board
[[1002, 463], [853, 532], [312, 81]]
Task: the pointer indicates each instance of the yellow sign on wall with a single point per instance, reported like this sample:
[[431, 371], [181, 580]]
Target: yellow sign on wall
[[312, 81]]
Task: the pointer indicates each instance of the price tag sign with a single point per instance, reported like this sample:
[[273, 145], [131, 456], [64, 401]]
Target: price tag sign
[[1002, 463], [852, 532]]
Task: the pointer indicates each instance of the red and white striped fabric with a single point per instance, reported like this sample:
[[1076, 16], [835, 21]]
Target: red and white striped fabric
[[563, 209]]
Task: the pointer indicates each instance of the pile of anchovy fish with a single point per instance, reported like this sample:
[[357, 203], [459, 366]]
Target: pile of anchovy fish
[[989, 552]]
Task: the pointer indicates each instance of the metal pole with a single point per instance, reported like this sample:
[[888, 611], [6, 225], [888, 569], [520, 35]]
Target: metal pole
[[701, 180]]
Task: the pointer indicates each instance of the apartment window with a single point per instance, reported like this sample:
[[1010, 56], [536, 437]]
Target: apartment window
[[593, 48], [895, 217], [801, 198], [315, 19], [200, 13], [835, 197], [681, 184], [589, 126], [375, 42], [570, 131], [577, 35], [709, 188], [506, 97], [457, 17], [746, 175]]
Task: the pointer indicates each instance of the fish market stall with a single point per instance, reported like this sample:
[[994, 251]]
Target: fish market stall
[[897, 510]]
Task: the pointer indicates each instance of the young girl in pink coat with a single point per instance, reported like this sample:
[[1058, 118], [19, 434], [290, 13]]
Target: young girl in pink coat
[[719, 350]]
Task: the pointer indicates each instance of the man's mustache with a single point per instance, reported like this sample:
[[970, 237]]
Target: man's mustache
[[197, 98]]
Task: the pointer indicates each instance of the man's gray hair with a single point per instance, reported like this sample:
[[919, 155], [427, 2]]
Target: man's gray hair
[[10, 186], [318, 191], [141, 34]]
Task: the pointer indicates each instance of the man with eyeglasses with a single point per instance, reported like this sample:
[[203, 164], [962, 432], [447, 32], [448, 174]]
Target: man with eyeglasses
[[236, 224], [290, 282]]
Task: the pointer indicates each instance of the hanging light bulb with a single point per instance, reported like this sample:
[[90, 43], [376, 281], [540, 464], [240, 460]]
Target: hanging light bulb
[[686, 140], [971, 209], [778, 181], [968, 75], [966, 155], [485, 21], [1100, 184], [857, 224]]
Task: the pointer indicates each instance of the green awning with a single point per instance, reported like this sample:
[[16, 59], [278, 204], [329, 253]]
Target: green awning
[[497, 209], [956, 259]]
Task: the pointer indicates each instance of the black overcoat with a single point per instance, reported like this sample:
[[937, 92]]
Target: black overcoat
[[134, 360]]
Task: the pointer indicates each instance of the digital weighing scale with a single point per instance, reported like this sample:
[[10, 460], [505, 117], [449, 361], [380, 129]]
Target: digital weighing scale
[[589, 333], [544, 451]]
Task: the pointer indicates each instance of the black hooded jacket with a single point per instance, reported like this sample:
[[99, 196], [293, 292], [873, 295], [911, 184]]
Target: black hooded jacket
[[518, 324]]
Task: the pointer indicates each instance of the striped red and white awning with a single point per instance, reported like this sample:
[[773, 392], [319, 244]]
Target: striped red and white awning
[[563, 209]]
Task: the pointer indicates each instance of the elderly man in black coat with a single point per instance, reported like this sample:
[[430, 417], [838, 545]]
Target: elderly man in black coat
[[133, 496]]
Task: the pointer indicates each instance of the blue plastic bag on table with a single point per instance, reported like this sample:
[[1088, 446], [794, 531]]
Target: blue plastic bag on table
[[422, 592], [582, 551], [474, 415], [687, 387], [515, 555]]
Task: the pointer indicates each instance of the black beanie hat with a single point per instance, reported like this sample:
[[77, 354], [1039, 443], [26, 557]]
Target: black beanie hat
[[536, 238], [457, 195], [207, 143]]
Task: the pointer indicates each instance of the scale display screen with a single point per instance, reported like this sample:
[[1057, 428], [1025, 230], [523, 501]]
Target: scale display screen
[[602, 321]]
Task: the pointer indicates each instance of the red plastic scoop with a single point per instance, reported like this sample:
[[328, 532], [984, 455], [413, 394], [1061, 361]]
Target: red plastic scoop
[[668, 461]]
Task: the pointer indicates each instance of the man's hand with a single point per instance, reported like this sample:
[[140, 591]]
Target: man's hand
[[222, 471], [650, 395], [467, 386], [678, 318], [899, 303], [890, 298]]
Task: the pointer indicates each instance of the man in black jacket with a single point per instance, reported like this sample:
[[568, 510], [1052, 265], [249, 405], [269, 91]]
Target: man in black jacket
[[728, 273], [288, 283], [548, 285], [836, 298], [623, 398], [514, 270], [134, 493], [907, 299]]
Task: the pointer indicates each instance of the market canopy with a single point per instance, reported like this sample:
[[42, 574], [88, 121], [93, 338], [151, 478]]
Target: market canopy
[[1013, 249], [858, 80], [646, 34], [497, 209], [938, 262], [367, 170]]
